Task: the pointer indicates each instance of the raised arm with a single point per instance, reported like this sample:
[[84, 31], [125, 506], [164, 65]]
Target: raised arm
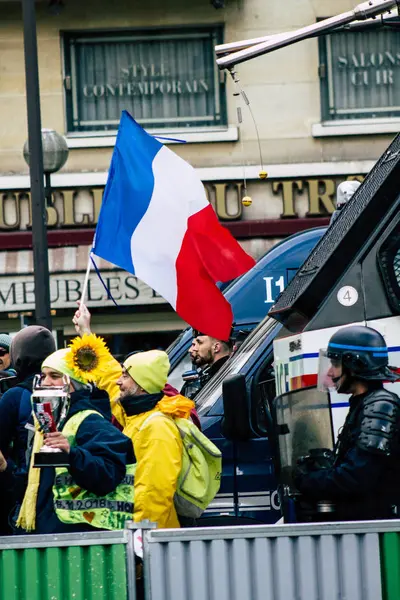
[[107, 380]]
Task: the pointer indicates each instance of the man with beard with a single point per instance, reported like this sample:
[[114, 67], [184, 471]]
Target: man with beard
[[208, 354], [156, 440]]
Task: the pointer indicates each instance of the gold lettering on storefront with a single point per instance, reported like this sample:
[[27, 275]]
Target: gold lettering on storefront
[[312, 197], [52, 216], [97, 199], [68, 205], [287, 188], [321, 191], [9, 211], [224, 197]]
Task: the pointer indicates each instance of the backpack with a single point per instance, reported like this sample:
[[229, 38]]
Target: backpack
[[200, 476]]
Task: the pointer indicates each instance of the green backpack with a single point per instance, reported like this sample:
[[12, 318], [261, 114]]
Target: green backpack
[[200, 476]]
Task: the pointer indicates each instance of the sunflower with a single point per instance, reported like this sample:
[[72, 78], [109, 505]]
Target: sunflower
[[86, 357]]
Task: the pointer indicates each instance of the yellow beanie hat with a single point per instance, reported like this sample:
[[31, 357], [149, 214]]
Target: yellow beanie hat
[[58, 362], [149, 369]]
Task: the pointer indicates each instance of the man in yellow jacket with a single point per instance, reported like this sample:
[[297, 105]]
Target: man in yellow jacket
[[135, 391], [156, 439]]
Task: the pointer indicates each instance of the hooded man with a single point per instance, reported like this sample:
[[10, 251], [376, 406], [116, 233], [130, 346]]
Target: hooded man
[[27, 351], [84, 495]]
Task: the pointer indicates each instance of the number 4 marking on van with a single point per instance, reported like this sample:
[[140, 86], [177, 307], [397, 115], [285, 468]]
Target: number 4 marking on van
[[280, 284], [347, 295]]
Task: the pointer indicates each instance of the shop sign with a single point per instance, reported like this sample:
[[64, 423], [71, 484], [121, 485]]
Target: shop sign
[[166, 78], [360, 75], [272, 199], [17, 293]]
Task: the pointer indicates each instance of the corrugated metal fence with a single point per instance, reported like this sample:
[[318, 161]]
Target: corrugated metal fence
[[335, 561], [66, 567]]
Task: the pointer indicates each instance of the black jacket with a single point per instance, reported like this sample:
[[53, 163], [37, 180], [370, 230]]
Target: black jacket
[[97, 462], [15, 413], [362, 484]]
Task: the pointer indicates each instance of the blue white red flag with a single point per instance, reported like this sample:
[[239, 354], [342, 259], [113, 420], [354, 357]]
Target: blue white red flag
[[156, 223]]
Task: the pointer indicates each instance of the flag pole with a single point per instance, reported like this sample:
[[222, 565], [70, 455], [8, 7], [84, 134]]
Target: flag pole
[[86, 280]]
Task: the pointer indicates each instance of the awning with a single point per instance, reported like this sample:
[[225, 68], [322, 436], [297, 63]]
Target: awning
[[65, 259], [67, 268]]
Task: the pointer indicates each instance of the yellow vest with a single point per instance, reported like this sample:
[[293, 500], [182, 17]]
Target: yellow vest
[[75, 505]]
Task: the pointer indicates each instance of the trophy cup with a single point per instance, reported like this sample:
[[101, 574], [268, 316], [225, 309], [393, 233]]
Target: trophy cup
[[50, 406]]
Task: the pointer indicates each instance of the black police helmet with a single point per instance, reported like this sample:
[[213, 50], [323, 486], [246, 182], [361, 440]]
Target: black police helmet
[[363, 351]]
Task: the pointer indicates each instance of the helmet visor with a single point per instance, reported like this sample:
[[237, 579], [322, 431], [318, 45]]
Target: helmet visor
[[330, 370]]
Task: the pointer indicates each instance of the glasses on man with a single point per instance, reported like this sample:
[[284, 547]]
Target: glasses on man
[[3, 351]]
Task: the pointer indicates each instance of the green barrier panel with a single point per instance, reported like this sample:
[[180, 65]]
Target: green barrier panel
[[390, 565], [93, 572]]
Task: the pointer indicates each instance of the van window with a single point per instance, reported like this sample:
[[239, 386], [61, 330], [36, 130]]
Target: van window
[[389, 264], [213, 390], [262, 398], [175, 376]]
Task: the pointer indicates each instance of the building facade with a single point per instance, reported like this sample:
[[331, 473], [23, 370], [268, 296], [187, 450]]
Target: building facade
[[324, 110]]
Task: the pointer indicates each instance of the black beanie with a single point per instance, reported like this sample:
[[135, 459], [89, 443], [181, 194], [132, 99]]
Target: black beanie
[[29, 348]]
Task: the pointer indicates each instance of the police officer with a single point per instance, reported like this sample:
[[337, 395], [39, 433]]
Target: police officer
[[364, 480], [345, 192], [208, 354]]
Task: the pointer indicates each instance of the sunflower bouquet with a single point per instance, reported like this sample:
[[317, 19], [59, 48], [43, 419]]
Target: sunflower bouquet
[[88, 357]]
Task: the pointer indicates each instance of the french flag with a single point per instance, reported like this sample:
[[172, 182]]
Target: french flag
[[156, 223]]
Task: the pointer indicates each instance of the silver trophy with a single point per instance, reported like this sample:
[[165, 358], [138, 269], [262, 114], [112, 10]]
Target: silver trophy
[[50, 406]]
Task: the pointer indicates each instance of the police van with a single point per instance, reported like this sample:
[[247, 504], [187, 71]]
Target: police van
[[263, 408]]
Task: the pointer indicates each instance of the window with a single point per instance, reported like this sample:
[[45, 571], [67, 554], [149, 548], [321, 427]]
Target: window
[[166, 79], [258, 341], [389, 264], [360, 75], [185, 364], [264, 392]]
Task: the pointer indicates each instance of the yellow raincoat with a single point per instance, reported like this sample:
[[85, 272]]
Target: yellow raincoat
[[157, 447], [158, 451]]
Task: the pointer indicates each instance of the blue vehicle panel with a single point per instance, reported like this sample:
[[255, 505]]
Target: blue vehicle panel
[[253, 294]]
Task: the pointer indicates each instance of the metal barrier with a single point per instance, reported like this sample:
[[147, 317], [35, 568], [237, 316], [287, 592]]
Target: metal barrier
[[330, 561], [79, 566], [335, 561]]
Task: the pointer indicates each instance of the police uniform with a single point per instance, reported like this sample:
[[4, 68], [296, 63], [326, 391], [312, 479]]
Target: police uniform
[[364, 480]]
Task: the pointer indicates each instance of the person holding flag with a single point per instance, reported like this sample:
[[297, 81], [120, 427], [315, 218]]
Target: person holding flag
[[153, 421]]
